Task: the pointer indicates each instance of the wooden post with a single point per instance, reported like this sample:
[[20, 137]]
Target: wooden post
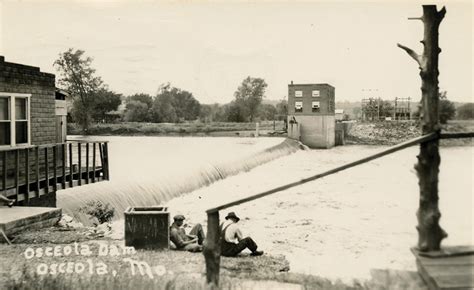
[[212, 249], [17, 174], [46, 170], [87, 163], [430, 234], [71, 167], [5, 170], [55, 168], [27, 175], [37, 160], [106, 158], [93, 161], [79, 181], [63, 180], [102, 160]]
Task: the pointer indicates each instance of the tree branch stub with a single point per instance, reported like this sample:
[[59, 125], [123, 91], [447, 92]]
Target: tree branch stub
[[418, 58]]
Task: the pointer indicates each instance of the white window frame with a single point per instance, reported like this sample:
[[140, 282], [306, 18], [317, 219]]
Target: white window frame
[[12, 111], [298, 94], [316, 105], [316, 94], [297, 103]]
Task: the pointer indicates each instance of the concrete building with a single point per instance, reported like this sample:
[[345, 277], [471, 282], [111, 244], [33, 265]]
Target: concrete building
[[311, 114]]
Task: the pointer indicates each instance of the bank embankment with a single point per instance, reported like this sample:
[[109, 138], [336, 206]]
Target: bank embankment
[[394, 132], [211, 129]]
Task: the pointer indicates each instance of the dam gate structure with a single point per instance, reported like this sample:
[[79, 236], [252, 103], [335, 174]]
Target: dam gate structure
[[312, 107]]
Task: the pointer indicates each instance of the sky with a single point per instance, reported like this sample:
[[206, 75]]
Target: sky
[[209, 48]]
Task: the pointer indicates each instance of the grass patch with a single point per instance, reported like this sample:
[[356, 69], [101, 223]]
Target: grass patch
[[106, 268]]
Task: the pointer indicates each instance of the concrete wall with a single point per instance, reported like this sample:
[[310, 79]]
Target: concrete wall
[[294, 131], [17, 78], [316, 131]]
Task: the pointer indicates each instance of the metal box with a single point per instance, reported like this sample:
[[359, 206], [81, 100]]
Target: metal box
[[147, 227]]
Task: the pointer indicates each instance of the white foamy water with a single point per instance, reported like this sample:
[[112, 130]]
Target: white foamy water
[[152, 170]]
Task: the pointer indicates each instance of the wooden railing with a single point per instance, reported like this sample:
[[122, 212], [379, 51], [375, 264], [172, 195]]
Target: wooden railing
[[212, 244], [35, 171]]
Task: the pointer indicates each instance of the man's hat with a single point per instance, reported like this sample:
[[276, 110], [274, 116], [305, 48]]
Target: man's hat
[[232, 215], [179, 217]]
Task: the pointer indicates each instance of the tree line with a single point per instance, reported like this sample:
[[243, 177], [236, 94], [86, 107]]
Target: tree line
[[93, 101]]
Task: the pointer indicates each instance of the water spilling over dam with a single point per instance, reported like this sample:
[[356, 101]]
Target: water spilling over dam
[[153, 170]]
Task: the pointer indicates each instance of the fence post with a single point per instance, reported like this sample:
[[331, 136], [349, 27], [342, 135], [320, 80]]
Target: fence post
[[79, 180], [37, 171], [55, 168], [5, 171], [17, 172], [212, 249], [93, 161], [46, 170], [27, 175], [106, 159], [71, 167], [63, 180]]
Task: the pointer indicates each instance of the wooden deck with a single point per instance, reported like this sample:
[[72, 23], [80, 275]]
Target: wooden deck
[[450, 268], [35, 171], [55, 183]]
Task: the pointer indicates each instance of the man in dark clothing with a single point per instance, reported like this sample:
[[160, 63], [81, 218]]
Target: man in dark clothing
[[191, 242], [232, 241]]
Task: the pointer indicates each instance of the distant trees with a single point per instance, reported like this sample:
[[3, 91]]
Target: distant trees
[[104, 101], [136, 111], [213, 113], [267, 112], [446, 109], [248, 97], [91, 97], [174, 105], [466, 111], [170, 105], [138, 108]]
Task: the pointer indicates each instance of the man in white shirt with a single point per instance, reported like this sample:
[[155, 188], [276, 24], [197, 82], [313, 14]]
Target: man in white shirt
[[232, 241]]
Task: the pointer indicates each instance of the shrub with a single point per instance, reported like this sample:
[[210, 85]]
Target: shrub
[[103, 213]]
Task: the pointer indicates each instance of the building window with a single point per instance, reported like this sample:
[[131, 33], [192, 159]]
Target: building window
[[298, 94], [315, 107], [315, 93], [14, 119], [298, 107]]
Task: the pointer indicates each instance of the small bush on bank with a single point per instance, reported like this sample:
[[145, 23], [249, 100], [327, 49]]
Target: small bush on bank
[[99, 211]]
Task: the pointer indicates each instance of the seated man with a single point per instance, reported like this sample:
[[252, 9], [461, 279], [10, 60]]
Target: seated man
[[191, 242], [232, 241]]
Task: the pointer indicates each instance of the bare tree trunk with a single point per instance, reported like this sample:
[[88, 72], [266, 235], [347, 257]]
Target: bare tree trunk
[[430, 234]]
